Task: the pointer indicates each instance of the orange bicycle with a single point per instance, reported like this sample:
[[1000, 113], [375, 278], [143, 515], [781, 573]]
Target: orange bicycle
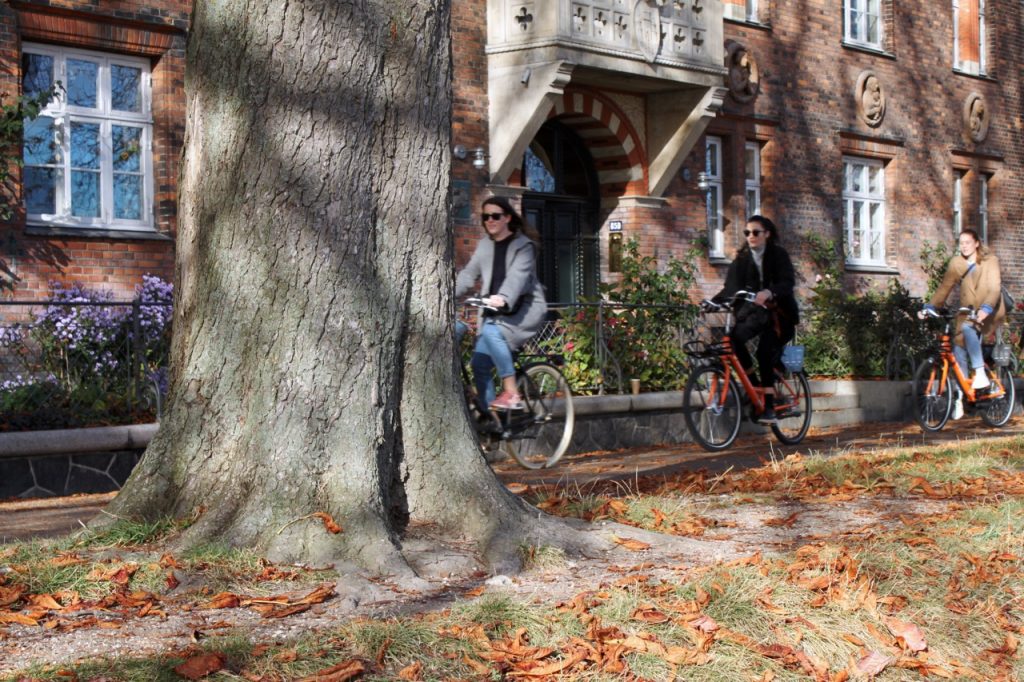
[[934, 392], [713, 401]]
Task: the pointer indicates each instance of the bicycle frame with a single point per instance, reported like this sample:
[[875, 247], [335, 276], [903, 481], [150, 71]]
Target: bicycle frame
[[945, 353]]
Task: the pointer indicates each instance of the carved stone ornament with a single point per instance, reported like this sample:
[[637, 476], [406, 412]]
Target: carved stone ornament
[[976, 117], [870, 99], [744, 77], [647, 26]]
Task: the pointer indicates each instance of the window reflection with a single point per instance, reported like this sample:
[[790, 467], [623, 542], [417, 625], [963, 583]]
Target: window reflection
[[37, 73], [82, 83], [125, 84]]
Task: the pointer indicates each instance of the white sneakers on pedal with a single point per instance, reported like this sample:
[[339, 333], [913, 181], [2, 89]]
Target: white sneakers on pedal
[[980, 380]]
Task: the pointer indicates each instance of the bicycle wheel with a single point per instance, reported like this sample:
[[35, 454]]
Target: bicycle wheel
[[541, 435], [711, 407], [998, 411], [932, 397], [792, 407]]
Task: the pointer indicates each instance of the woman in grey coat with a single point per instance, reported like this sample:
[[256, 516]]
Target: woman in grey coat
[[506, 266]]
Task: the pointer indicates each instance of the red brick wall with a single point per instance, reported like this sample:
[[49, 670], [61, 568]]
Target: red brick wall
[[154, 29], [805, 118]]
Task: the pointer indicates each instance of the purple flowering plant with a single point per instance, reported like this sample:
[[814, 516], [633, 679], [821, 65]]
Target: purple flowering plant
[[84, 346]]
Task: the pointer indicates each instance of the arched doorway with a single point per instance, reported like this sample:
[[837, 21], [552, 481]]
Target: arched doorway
[[562, 202]]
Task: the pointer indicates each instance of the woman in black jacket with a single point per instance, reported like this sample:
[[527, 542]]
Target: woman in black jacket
[[762, 266]]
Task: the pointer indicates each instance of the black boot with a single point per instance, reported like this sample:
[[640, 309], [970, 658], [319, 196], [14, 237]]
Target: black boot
[[768, 416]]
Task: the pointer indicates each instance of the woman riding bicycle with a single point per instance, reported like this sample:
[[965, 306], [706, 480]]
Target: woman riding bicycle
[[762, 265], [976, 270], [506, 265]]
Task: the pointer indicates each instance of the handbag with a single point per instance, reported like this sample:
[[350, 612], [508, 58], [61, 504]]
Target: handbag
[[1008, 303]]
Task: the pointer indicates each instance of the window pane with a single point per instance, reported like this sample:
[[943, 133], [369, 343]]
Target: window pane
[[858, 216], [874, 180], [85, 194], [857, 178], [82, 83], [125, 88], [750, 163], [855, 25], [537, 165], [85, 145], [37, 73], [41, 189], [872, 30], [41, 142], [127, 144], [712, 160], [128, 197]]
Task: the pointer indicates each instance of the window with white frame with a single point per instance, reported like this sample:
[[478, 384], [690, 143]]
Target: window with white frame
[[862, 22], [969, 36], [958, 202], [752, 11], [752, 178], [713, 196], [864, 211], [983, 208], [87, 158]]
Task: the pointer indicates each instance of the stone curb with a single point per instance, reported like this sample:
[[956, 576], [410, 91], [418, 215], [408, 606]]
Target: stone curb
[[70, 441]]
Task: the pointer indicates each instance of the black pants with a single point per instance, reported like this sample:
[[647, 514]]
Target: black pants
[[769, 345]]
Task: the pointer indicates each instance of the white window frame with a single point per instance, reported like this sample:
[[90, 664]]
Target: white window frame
[[856, 14], [752, 180], [713, 199], [857, 207], [981, 67], [752, 11], [64, 114], [983, 208], [958, 202]]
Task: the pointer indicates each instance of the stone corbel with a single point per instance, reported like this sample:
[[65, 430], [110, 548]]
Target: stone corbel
[[675, 121], [519, 100]]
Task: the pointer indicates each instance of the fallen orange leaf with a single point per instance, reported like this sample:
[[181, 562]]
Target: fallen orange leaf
[[337, 673], [202, 665], [329, 522], [631, 544], [912, 635], [873, 663], [411, 672]]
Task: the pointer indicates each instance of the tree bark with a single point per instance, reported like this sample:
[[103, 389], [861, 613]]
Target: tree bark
[[312, 363]]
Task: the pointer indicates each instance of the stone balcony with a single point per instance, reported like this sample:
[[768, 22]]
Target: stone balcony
[[670, 52]]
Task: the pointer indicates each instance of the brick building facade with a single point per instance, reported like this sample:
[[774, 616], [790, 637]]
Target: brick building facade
[[98, 189], [877, 124]]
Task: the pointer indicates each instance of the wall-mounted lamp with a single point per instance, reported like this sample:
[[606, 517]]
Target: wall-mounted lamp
[[479, 158], [702, 181], [479, 155]]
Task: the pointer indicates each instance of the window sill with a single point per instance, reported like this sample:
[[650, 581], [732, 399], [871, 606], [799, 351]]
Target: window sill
[[719, 260], [747, 22], [978, 76], [872, 269], [877, 51], [93, 233]]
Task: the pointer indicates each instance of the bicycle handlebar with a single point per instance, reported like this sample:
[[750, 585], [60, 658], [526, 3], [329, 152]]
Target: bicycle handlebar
[[949, 314], [478, 302], [709, 306]]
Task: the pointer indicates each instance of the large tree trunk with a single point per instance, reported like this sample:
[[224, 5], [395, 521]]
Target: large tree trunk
[[312, 364]]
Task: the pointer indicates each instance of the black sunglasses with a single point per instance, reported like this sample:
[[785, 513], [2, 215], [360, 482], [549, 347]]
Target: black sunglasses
[[484, 217], [756, 233]]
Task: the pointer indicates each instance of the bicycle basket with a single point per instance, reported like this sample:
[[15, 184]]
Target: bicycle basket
[[1001, 354], [793, 358]]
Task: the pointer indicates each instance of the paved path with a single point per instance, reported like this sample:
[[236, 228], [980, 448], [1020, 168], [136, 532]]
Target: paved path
[[26, 519]]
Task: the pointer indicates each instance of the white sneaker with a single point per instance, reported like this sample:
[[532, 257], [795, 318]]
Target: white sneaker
[[958, 407], [980, 380]]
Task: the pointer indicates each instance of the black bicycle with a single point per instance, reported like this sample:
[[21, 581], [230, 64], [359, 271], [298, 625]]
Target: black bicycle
[[539, 434]]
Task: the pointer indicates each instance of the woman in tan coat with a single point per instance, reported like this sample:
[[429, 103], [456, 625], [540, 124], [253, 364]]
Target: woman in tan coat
[[976, 270]]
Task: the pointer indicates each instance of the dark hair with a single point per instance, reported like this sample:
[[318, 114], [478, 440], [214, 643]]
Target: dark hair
[[974, 235], [767, 225], [516, 223]]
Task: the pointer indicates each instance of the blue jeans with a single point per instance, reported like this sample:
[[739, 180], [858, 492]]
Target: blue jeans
[[971, 349], [491, 352]]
